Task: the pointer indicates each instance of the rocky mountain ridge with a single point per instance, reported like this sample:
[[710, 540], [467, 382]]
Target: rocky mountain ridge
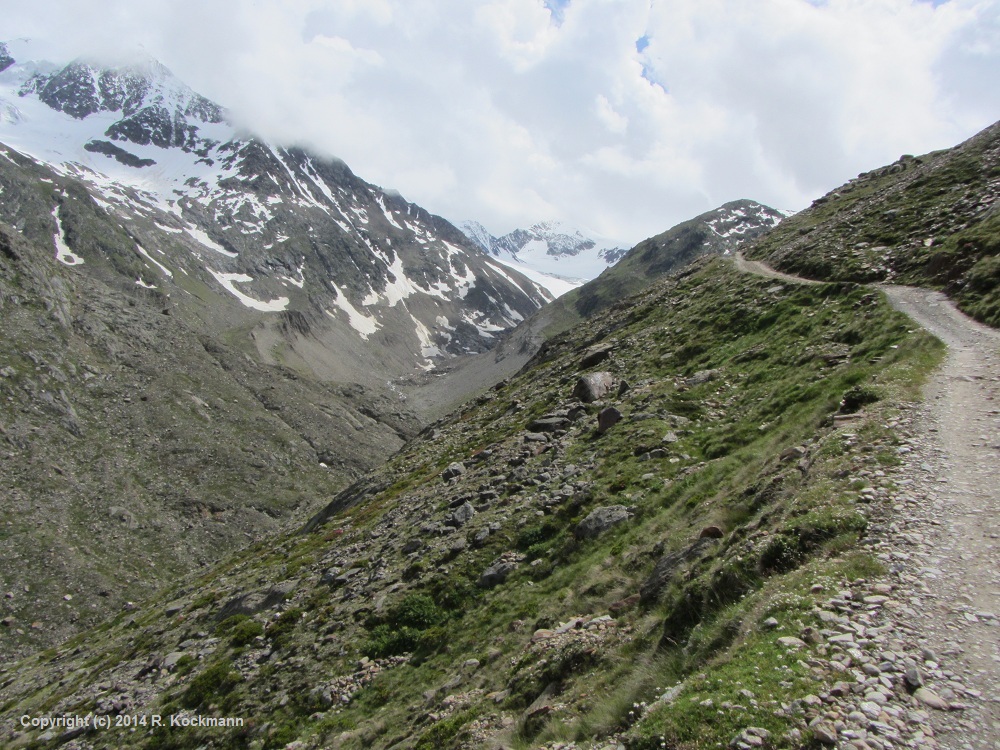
[[929, 220], [720, 231], [261, 227]]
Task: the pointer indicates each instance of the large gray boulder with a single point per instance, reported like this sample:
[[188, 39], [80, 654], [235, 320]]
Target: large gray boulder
[[497, 572], [600, 520], [593, 386], [460, 516]]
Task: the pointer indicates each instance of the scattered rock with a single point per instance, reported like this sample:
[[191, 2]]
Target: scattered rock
[[550, 424], [790, 641], [461, 515], [595, 355], [825, 733], [931, 699], [701, 377]]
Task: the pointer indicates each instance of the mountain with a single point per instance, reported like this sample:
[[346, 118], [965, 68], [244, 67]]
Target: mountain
[[551, 249], [670, 528], [720, 231], [257, 227], [929, 220], [206, 336]]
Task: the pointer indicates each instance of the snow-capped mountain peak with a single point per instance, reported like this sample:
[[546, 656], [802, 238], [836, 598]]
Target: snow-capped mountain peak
[[269, 228], [560, 256]]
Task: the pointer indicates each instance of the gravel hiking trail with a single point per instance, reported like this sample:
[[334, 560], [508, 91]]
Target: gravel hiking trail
[[944, 542]]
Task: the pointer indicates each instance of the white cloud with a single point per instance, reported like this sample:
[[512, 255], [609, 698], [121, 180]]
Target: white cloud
[[622, 115]]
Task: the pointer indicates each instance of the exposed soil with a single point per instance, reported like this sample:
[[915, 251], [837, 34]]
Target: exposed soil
[[762, 269]]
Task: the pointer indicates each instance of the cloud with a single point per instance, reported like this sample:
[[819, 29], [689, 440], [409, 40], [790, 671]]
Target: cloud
[[625, 116]]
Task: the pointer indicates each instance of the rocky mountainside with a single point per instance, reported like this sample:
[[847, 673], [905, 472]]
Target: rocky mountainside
[[550, 248], [929, 220], [138, 443], [238, 227], [605, 548], [203, 334]]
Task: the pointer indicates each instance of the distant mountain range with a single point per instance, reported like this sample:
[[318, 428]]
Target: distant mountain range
[[553, 254]]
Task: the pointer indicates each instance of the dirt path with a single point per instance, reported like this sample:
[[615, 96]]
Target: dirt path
[[761, 269], [941, 536], [957, 448]]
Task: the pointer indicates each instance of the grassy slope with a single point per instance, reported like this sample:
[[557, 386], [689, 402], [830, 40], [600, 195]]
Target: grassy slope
[[928, 221], [785, 357], [646, 262]]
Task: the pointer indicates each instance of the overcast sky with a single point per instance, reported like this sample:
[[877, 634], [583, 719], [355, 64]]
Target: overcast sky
[[621, 116]]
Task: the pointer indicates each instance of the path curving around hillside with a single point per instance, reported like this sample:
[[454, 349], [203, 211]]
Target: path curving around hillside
[[955, 464], [762, 269], [940, 537]]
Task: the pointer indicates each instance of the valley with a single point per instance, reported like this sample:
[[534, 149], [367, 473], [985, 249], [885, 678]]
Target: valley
[[286, 448]]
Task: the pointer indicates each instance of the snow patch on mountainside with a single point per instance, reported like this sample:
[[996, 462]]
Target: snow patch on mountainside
[[556, 286], [229, 280], [163, 269], [63, 252], [365, 325]]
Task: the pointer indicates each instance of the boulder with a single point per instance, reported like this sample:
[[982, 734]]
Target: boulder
[[550, 424], [461, 515], [607, 419], [456, 469], [600, 520], [701, 377], [497, 573], [593, 386], [595, 355], [256, 601]]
